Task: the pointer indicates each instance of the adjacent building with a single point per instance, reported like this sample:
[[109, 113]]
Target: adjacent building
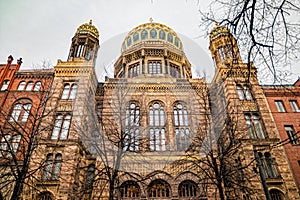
[[283, 103]]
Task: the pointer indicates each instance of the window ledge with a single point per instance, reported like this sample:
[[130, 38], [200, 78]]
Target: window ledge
[[275, 180], [48, 183]]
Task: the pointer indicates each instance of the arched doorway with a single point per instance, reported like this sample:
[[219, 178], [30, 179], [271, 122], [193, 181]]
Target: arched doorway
[[130, 190], [159, 189], [276, 194], [45, 196], [187, 189]]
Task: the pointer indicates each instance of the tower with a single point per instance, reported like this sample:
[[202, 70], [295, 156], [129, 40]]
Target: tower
[[245, 106], [85, 43], [223, 46]]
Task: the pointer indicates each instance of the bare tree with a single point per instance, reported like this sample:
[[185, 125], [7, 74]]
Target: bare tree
[[22, 115], [216, 150], [111, 131], [267, 31]]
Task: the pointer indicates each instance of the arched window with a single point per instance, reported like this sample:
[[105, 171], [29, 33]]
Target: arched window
[[170, 38], [174, 71], [162, 35], [268, 165], [56, 167], [134, 70], [153, 34], [276, 195], [157, 127], [69, 92], [65, 94], [73, 91], [159, 189], [144, 35], [45, 196], [181, 126], [136, 37], [21, 85], [187, 189], [52, 167], [176, 42], [61, 127], [132, 123], [26, 112], [128, 41], [29, 86], [244, 92], [130, 190], [254, 126], [154, 67], [79, 50], [37, 86], [20, 112], [5, 85]]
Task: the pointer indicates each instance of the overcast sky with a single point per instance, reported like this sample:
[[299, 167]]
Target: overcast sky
[[39, 30]]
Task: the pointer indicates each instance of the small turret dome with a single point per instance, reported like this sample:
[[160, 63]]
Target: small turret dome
[[150, 32], [218, 31], [88, 28]]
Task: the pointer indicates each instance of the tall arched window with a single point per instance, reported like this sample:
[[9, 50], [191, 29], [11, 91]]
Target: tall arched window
[[29, 86], [73, 91], [154, 67], [181, 126], [174, 71], [61, 127], [37, 86], [52, 167], [130, 190], [69, 92], [65, 94], [244, 92], [159, 189], [132, 123], [187, 189], [157, 127], [255, 127], [21, 85], [134, 70], [20, 112]]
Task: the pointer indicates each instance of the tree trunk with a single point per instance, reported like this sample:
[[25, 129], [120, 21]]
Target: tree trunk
[[221, 191], [111, 189], [18, 187]]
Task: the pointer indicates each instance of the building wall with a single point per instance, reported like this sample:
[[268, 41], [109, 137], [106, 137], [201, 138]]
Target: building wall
[[290, 118]]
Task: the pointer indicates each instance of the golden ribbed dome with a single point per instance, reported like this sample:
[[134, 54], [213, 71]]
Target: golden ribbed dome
[[218, 31], [88, 28], [151, 32]]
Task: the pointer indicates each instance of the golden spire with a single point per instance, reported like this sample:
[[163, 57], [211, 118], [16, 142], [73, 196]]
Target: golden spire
[[90, 21], [151, 20]]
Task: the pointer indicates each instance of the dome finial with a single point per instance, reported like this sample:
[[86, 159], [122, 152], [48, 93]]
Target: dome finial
[[90, 21], [151, 20], [216, 23]]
